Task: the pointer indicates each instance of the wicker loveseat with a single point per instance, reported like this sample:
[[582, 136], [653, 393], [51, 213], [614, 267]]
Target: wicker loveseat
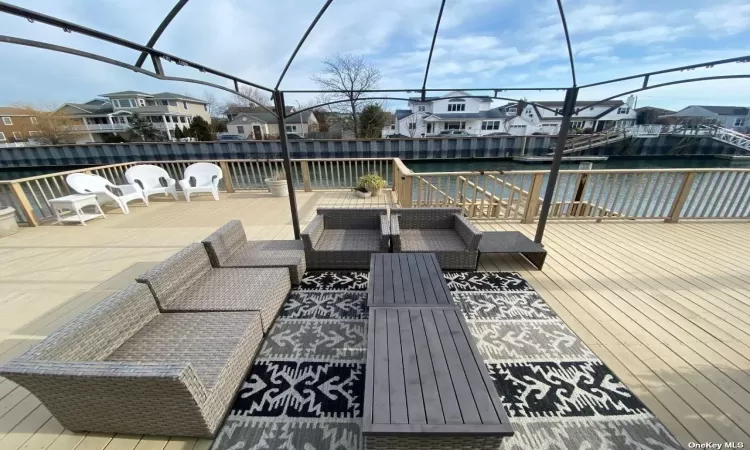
[[228, 247], [186, 282], [123, 367], [344, 238], [443, 231]]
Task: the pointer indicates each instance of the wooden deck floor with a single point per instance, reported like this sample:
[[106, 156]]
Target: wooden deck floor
[[666, 306]]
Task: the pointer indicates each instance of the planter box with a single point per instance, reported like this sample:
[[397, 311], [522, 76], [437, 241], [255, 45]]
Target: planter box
[[278, 188], [8, 224]]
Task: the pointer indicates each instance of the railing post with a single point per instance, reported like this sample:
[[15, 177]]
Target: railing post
[[680, 198], [408, 191], [532, 203], [23, 202], [306, 176], [227, 176]]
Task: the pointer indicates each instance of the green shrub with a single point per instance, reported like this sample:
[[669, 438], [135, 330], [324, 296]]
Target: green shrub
[[372, 182]]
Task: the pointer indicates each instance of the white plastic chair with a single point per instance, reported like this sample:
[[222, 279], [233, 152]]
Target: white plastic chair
[[149, 177], [205, 177], [94, 184]]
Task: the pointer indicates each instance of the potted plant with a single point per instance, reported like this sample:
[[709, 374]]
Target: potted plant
[[8, 224], [373, 183], [361, 192], [277, 184]]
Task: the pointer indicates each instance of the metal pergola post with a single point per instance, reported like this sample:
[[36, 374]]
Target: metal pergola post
[[278, 100], [567, 111]]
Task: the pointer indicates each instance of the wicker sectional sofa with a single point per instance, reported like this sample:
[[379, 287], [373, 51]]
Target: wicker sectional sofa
[[125, 367], [228, 247], [186, 282], [344, 238], [443, 231]]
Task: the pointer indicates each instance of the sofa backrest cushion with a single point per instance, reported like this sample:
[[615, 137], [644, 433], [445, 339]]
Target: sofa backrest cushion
[[352, 218], [177, 273], [101, 330], [223, 242], [425, 218]]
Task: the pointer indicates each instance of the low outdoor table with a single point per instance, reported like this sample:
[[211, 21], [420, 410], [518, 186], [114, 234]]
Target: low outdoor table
[[407, 279], [426, 384], [76, 203], [512, 242]]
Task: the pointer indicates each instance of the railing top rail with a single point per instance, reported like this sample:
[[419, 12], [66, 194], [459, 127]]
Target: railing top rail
[[593, 171], [191, 161]]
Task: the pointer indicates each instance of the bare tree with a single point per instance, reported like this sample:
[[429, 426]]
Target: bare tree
[[214, 106], [52, 127], [347, 75], [264, 98], [411, 124]]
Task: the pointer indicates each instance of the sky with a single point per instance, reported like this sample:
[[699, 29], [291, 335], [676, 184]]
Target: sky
[[482, 44]]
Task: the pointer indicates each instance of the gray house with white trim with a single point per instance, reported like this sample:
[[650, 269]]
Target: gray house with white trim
[[736, 118]]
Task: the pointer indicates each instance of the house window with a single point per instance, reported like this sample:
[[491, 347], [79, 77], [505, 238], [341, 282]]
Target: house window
[[577, 124], [511, 110], [455, 125], [393, 127], [205, 107], [2, 136], [183, 119], [35, 133], [421, 108], [623, 110], [240, 129], [34, 121], [184, 105], [172, 102], [491, 125], [412, 126], [7, 121], [739, 122], [141, 102], [17, 135], [454, 107], [291, 128]]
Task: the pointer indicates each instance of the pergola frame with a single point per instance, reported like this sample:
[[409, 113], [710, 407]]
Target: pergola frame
[[158, 57]]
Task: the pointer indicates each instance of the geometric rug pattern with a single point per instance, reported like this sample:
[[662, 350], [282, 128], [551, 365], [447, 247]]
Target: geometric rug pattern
[[305, 388]]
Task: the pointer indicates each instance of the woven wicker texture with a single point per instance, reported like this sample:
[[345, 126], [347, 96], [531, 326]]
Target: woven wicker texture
[[290, 254], [223, 242], [261, 289], [443, 231], [352, 218], [174, 374], [173, 276], [344, 238], [99, 331], [440, 443]]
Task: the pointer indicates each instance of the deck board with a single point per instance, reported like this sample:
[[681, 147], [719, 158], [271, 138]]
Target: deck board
[[665, 306]]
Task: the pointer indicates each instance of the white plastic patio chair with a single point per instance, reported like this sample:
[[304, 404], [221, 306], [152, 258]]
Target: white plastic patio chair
[[201, 177], [149, 177], [105, 191]]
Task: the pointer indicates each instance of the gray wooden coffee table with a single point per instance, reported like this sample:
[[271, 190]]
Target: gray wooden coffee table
[[512, 242], [407, 279]]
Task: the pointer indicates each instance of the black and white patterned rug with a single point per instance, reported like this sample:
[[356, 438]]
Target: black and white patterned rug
[[305, 389]]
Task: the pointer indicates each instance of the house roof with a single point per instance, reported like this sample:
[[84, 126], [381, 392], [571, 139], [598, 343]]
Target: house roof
[[491, 114], [162, 95], [265, 117], [234, 110], [482, 98], [91, 107], [124, 93], [727, 110], [655, 109], [13, 111], [401, 113], [583, 103]]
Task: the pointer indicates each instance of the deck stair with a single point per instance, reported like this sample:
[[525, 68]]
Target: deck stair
[[730, 137], [582, 142]]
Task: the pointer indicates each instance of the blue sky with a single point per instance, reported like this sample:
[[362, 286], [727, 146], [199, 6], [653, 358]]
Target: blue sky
[[482, 43]]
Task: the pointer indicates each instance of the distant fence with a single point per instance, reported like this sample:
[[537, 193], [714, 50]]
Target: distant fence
[[428, 148]]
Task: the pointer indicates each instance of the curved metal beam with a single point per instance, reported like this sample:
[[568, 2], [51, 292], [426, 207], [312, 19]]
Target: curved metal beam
[[567, 41], [302, 41], [741, 59], [372, 91], [671, 83], [432, 48], [114, 62], [72, 27], [160, 29]]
